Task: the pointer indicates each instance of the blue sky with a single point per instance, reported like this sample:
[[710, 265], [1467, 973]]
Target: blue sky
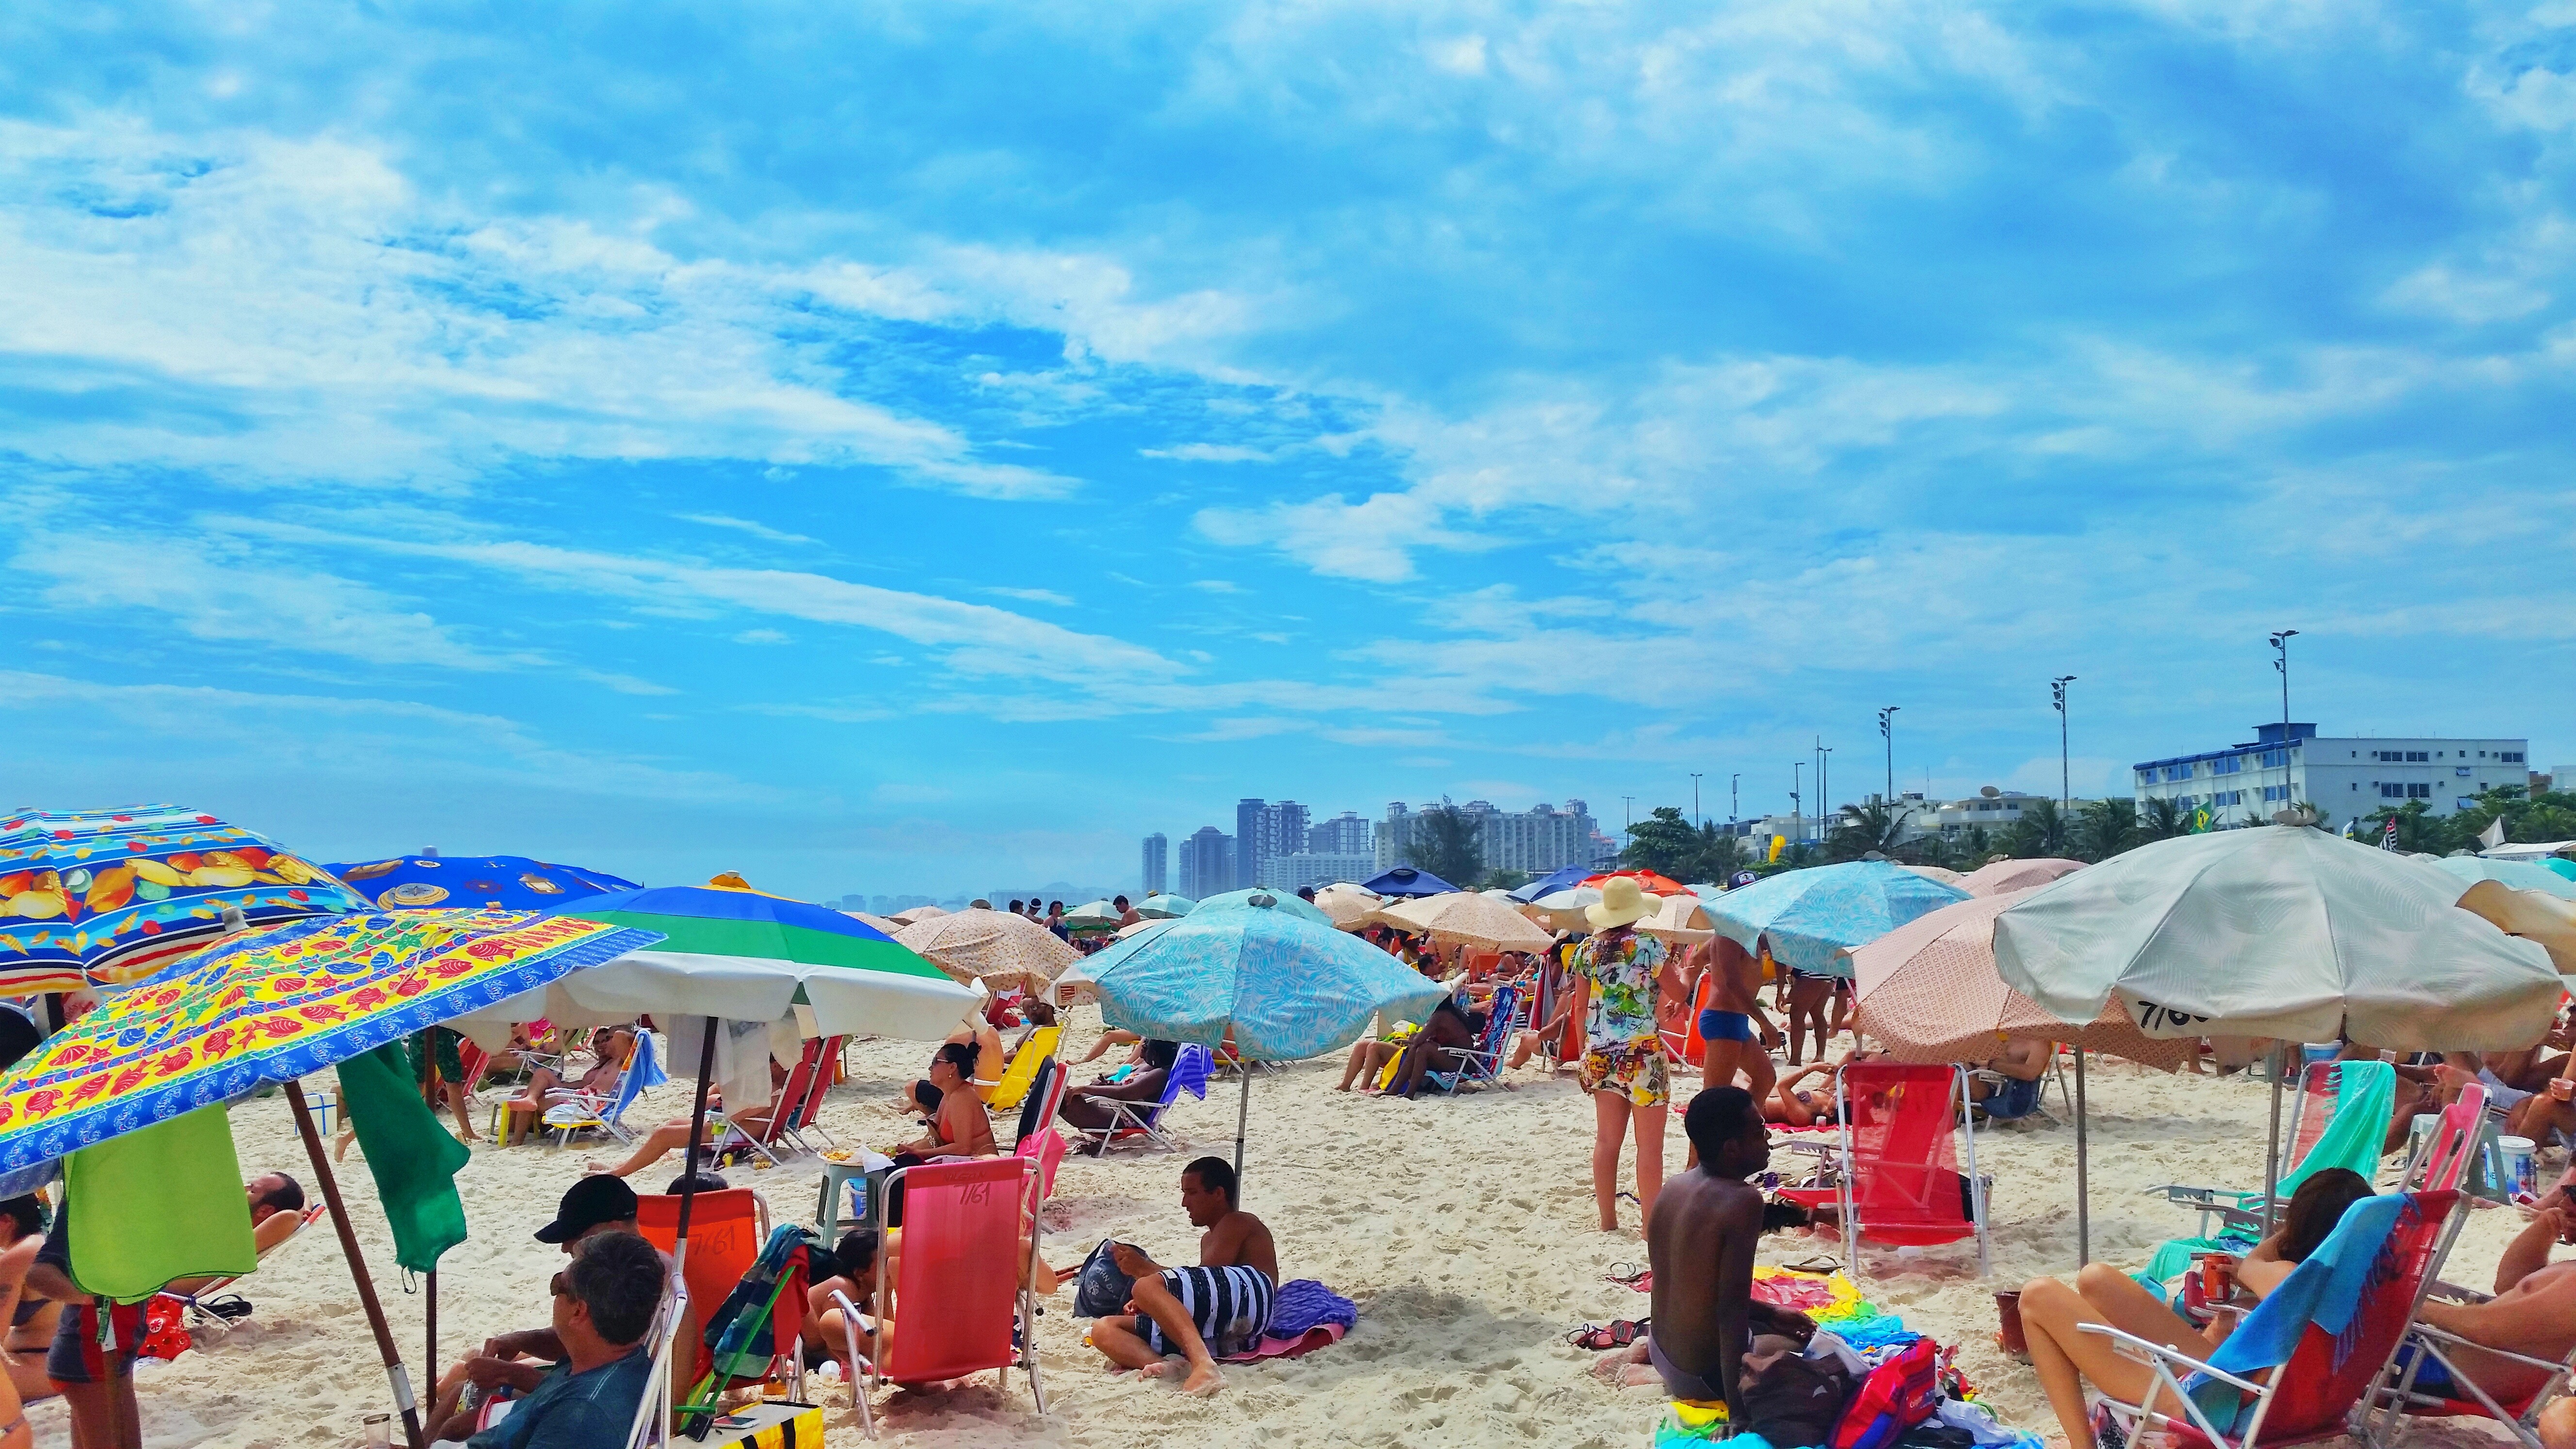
[[898, 447]]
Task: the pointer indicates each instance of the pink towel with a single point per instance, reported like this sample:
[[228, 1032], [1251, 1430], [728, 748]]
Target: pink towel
[[1314, 1338]]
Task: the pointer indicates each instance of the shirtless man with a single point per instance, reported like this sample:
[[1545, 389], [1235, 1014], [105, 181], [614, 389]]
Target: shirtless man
[[2533, 1311], [1699, 1242], [1220, 1306], [1727, 1023], [276, 1212]]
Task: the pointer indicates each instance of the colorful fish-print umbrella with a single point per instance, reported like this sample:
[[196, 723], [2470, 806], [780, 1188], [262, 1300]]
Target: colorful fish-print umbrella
[[111, 896], [510, 882], [1810, 916], [273, 1005]]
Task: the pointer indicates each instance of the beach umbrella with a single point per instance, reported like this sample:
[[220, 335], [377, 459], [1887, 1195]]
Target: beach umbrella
[[994, 946], [1477, 920], [2533, 915], [1286, 987], [1943, 874], [1160, 907], [1092, 916], [1563, 910], [1260, 898], [1137, 928], [1996, 877], [1405, 880], [910, 914], [1811, 916], [1930, 992], [111, 896], [1347, 905], [1562, 878], [508, 882], [2521, 875], [1681, 919], [1648, 881], [2277, 931], [885, 926], [269, 1007]]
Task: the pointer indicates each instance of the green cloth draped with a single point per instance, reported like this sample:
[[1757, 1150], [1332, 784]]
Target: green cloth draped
[[413, 1159], [158, 1203], [2364, 1094]]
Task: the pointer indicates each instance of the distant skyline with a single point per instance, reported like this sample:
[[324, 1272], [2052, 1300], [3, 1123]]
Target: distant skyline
[[900, 449]]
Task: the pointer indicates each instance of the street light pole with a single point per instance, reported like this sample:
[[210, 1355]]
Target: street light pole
[[1734, 798], [1797, 801], [1824, 786], [2057, 697], [1887, 732], [2281, 661], [1696, 817]]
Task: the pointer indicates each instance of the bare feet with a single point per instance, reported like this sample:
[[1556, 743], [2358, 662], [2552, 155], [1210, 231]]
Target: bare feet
[[1202, 1382]]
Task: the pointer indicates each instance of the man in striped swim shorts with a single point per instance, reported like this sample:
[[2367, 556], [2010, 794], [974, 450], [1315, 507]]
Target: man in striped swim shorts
[[1218, 1308]]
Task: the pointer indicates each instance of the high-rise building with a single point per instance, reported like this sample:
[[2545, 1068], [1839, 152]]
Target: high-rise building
[[1533, 841], [1156, 856], [1207, 863], [1265, 831], [1344, 834]]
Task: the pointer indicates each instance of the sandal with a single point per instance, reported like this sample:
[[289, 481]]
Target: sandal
[[1626, 1274], [1816, 1263], [1621, 1333]]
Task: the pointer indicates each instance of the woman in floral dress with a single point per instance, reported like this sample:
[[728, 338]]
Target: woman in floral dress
[[1624, 1067]]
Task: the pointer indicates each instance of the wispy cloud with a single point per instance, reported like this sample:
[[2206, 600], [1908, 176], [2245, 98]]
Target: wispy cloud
[[744, 525]]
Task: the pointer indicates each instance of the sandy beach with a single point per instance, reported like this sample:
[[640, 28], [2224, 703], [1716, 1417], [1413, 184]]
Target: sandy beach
[[1462, 1227]]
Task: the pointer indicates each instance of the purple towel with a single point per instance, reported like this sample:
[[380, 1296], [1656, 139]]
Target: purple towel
[[1303, 1305]]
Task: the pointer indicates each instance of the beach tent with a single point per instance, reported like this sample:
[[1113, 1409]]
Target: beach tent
[[1285, 987], [1404, 880], [1810, 917]]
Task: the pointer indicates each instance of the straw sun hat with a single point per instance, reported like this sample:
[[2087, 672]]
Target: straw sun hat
[[1621, 903]]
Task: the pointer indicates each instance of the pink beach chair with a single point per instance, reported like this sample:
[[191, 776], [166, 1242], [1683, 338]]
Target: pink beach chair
[[1898, 1178], [972, 1297]]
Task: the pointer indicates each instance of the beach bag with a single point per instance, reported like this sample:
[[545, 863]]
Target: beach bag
[[1897, 1395], [1100, 1288], [1794, 1400]]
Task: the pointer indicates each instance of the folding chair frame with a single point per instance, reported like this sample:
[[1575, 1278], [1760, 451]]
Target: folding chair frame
[[1841, 1151], [2395, 1403], [1026, 1310], [652, 1424], [1483, 1062]]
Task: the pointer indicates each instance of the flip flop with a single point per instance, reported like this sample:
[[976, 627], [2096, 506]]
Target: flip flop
[[1621, 1333], [1818, 1263], [1626, 1274]]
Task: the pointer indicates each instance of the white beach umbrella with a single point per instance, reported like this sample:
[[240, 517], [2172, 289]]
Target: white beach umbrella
[[1464, 916], [1348, 905]]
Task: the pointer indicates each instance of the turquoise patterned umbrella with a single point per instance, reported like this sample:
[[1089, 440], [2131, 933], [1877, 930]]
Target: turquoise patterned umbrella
[[1289, 988], [1263, 896], [1809, 915], [2520, 875]]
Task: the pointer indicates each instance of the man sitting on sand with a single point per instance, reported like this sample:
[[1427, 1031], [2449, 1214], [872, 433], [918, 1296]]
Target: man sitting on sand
[[1219, 1307], [604, 1302], [1699, 1242]]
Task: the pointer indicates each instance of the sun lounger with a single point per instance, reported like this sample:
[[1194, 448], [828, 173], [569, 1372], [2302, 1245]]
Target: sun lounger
[[598, 1112], [2326, 1337], [203, 1320], [973, 1302], [1144, 1119], [1484, 1061], [1895, 1163], [1013, 1085]]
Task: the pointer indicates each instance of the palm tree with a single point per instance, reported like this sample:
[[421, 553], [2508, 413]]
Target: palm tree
[[2159, 818], [1720, 854], [2041, 831], [1446, 844], [2104, 828], [1863, 829]]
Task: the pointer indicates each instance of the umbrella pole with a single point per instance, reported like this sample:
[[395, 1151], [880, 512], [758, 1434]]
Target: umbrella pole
[[697, 1129], [357, 1264], [2083, 1186], [2272, 1148], [1242, 1114], [430, 1310]]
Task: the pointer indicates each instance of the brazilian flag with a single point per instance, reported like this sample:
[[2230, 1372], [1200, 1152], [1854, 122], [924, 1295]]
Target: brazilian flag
[[2203, 820]]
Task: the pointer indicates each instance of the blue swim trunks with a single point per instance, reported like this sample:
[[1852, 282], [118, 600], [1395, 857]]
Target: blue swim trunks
[[1716, 1025]]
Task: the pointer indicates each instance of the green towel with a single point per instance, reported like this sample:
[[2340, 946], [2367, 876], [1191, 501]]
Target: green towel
[[158, 1203], [2364, 1094], [413, 1159]]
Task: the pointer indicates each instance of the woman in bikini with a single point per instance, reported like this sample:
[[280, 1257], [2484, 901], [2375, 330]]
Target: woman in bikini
[[31, 1321]]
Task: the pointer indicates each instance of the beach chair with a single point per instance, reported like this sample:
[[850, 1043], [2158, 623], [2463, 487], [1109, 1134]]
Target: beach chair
[[1895, 1164], [1484, 1061], [596, 1112], [726, 1230], [1684, 1044], [2327, 1336], [795, 1105], [652, 1425], [820, 1060], [756, 1334], [2346, 1113], [2460, 1141], [974, 1299], [203, 1321], [1130, 1120], [1013, 1085], [2015, 1100], [1038, 1140]]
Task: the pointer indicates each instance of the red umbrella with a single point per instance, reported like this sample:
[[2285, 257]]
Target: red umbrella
[[1647, 881]]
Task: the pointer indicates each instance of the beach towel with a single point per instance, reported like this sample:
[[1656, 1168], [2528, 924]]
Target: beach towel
[[413, 1159], [1898, 1395], [130, 1193], [2365, 1092], [2324, 1290], [1272, 1345], [1303, 1305]]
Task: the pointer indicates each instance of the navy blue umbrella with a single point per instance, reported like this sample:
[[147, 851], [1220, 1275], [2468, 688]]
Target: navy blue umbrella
[[1404, 880], [512, 882], [1565, 878]]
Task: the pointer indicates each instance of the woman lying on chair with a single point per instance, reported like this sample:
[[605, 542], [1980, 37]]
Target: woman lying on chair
[[545, 1088], [1085, 1107], [2065, 1356]]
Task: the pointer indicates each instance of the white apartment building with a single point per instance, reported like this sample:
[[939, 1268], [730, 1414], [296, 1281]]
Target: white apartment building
[[2345, 777], [1316, 868], [1535, 841]]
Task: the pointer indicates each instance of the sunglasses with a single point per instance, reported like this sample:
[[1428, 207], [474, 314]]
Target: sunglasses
[[559, 1286]]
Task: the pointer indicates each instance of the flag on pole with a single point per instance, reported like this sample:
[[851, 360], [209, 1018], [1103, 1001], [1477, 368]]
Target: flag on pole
[[2388, 838], [2493, 835]]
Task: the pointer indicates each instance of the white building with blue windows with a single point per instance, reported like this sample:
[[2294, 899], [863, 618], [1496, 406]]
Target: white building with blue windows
[[2343, 777]]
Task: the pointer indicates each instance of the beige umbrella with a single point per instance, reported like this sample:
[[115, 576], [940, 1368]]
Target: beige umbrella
[[2533, 915], [1943, 874], [886, 925], [2014, 875], [1678, 919], [1463, 916], [912, 914], [994, 946], [1348, 905]]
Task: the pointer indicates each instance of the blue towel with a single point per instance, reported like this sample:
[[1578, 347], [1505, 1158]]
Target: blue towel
[[1303, 1305], [2324, 1290], [1189, 1073]]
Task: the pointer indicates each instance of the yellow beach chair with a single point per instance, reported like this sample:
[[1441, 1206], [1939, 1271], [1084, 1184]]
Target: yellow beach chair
[[1006, 1091]]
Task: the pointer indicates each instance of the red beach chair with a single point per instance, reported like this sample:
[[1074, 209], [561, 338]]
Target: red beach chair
[[973, 1298], [1898, 1167], [726, 1230]]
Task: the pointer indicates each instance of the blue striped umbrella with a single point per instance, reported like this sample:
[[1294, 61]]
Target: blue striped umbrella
[[1810, 915]]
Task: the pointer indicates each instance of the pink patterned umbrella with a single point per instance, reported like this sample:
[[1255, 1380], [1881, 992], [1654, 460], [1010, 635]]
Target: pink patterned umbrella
[[2016, 875]]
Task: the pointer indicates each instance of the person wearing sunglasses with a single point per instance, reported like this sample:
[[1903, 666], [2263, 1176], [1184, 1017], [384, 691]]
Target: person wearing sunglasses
[[604, 1304]]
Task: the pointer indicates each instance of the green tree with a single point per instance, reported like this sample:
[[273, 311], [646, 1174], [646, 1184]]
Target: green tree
[[1721, 854], [1980, 844], [1445, 844], [2041, 831], [2104, 828], [1872, 827], [1663, 842], [2162, 819], [1503, 880]]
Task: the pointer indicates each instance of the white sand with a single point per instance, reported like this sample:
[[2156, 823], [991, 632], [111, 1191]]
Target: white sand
[[1464, 1229]]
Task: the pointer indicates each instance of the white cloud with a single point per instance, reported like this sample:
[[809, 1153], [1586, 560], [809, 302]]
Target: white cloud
[[1217, 586], [1209, 453], [760, 636], [1033, 596], [743, 525]]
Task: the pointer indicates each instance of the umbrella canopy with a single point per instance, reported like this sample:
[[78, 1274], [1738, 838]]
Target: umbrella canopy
[[114, 895], [1943, 874], [1996, 877], [1092, 916], [2521, 875], [741, 956], [276, 1004], [882, 925], [1929, 990], [1405, 880], [1347, 905], [1164, 908], [1811, 916], [1262, 898], [1288, 987], [994, 946], [2536, 916], [910, 914], [1563, 910], [506, 882], [2277, 931], [1478, 920], [1647, 881], [1137, 928], [1562, 878], [1679, 918]]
